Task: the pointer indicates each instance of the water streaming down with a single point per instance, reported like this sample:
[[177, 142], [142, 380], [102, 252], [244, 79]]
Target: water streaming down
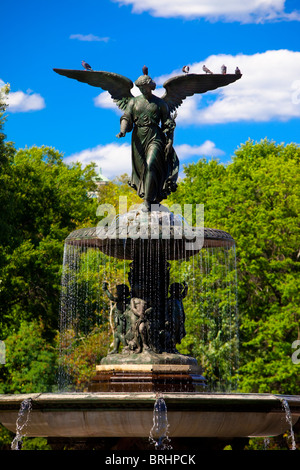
[[266, 443], [21, 424], [210, 306], [84, 311], [288, 418], [160, 429], [211, 314]]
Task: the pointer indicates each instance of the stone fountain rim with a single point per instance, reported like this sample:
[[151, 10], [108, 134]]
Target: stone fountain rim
[[131, 399], [190, 414]]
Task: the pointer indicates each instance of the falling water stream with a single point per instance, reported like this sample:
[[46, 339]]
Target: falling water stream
[[266, 443], [159, 431], [288, 417], [210, 305], [21, 424]]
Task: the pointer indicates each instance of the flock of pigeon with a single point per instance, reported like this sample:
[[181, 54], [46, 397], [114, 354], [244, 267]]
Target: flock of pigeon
[[185, 69]]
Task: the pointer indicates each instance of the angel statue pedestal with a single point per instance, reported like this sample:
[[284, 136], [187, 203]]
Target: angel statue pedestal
[[148, 312]]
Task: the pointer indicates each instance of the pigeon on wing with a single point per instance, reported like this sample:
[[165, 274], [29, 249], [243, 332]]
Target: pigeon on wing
[[86, 66], [206, 70]]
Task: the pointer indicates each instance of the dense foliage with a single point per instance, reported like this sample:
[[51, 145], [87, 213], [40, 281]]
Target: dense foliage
[[41, 200], [256, 199]]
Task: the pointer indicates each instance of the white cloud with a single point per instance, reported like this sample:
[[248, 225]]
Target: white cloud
[[207, 149], [113, 159], [250, 11], [20, 102], [104, 100], [89, 38], [265, 92]]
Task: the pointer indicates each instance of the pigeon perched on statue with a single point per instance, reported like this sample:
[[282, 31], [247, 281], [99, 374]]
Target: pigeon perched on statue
[[145, 70], [206, 70], [223, 69], [237, 71], [86, 66], [185, 69]]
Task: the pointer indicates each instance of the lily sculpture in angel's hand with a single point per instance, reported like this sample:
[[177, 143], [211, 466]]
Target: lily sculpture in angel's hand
[[155, 164]]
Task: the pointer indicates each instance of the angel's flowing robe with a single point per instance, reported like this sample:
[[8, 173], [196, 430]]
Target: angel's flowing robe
[[154, 174]]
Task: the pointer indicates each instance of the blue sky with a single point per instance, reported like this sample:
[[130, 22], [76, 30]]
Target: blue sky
[[259, 36]]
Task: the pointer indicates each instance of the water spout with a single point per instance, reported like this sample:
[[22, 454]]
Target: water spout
[[159, 431], [288, 417], [266, 443], [21, 424]]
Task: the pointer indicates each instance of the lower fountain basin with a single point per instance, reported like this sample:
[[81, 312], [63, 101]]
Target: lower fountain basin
[[131, 414]]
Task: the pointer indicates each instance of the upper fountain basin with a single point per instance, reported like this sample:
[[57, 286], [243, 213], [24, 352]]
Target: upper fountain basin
[[169, 232]]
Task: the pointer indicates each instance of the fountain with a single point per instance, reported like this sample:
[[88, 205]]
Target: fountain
[[144, 393], [22, 422], [148, 316]]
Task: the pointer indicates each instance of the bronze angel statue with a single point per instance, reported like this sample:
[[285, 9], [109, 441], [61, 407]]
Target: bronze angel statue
[[151, 119]]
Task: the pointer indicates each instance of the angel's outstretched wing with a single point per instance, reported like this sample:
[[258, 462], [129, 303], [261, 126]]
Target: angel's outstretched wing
[[178, 88], [117, 85]]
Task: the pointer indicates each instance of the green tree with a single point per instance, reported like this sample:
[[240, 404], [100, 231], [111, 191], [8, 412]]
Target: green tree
[[42, 200], [256, 199], [45, 201], [31, 361], [111, 192]]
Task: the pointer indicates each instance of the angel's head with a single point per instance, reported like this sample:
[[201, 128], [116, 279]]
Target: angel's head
[[145, 84]]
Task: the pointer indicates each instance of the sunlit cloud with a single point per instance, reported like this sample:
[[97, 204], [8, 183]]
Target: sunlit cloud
[[251, 11], [20, 102], [207, 149], [113, 159], [104, 100], [267, 91]]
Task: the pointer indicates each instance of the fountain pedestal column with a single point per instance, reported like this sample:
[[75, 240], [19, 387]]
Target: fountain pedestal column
[[149, 282]]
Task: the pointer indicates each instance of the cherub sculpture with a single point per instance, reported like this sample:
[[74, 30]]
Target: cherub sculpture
[[155, 164], [119, 325], [176, 316], [142, 311]]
